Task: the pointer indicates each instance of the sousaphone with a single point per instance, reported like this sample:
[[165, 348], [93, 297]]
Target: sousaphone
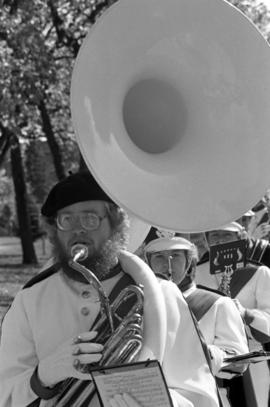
[[171, 108]]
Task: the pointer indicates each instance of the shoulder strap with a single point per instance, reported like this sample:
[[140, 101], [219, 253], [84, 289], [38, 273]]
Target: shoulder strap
[[205, 351], [125, 306], [200, 301], [240, 278], [124, 282]]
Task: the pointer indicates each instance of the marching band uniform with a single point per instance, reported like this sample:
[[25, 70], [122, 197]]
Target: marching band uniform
[[250, 286], [251, 289], [222, 328], [220, 324], [47, 313], [217, 316]]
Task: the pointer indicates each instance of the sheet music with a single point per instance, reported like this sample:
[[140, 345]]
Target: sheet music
[[145, 384]]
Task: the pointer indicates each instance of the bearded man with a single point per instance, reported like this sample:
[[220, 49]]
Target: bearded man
[[47, 336]]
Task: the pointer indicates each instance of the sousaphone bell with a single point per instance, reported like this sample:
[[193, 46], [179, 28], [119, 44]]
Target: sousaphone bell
[[170, 105]]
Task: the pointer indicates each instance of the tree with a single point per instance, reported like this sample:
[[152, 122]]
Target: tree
[[38, 43], [29, 255]]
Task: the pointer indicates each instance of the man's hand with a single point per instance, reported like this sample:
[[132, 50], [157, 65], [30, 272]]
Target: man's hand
[[68, 358]]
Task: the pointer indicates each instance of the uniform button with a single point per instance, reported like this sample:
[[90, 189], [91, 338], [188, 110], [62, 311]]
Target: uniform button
[[86, 294], [85, 311]]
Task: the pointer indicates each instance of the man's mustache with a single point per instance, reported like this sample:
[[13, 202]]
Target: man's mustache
[[81, 240]]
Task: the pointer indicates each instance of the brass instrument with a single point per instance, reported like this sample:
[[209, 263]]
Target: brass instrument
[[122, 338], [170, 99]]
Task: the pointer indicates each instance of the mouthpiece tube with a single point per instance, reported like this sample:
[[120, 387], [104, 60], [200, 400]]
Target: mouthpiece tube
[[79, 252], [170, 267]]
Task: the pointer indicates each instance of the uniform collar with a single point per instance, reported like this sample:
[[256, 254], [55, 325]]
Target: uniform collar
[[77, 276]]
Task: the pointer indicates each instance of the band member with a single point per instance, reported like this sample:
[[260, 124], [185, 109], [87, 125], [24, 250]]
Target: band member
[[220, 323], [46, 334], [249, 286], [258, 246], [257, 250]]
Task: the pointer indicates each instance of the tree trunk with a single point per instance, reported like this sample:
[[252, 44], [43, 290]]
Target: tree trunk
[[48, 131], [4, 143], [28, 249]]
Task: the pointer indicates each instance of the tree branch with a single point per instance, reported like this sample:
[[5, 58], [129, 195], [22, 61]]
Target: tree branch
[[63, 35]]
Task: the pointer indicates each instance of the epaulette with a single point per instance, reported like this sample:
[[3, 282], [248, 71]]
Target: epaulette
[[241, 277], [201, 300], [48, 272]]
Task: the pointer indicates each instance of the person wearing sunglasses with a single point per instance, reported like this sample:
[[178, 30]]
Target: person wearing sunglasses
[[47, 336]]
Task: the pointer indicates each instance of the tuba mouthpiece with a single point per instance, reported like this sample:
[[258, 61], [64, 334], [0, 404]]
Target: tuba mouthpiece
[[79, 252]]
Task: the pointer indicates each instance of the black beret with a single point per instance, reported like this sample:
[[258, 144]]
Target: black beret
[[77, 187]]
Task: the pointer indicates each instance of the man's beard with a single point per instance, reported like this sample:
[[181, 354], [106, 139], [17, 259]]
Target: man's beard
[[100, 262]]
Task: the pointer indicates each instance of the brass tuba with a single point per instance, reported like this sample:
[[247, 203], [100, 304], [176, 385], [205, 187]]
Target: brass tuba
[[170, 106]]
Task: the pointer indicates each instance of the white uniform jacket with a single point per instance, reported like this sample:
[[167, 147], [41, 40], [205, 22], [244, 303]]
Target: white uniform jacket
[[50, 312], [254, 295], [223, 330]]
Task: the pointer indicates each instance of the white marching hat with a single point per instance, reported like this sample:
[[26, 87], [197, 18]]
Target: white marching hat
[[249, 214], [232, 227], [165, 243]]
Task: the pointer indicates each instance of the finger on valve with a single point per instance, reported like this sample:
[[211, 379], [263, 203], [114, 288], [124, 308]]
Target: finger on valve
[[87, 348], [84, 337], [83, 344], [85, 352]]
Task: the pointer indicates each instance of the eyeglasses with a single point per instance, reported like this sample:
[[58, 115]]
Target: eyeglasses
[[88, 220]]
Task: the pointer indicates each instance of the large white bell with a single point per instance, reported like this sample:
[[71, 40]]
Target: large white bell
[[170, 104]]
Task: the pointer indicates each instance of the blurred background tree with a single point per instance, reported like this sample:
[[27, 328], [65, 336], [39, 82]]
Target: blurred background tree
[[39, 41], [258, 12]]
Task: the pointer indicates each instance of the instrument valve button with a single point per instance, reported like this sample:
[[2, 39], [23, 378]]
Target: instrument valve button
[[85, 311]]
